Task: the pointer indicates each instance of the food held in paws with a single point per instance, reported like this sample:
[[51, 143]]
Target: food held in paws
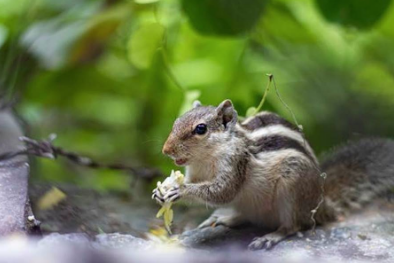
[[175, 180]]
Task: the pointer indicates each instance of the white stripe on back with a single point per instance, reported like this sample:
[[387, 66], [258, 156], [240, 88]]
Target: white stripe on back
[[278, 129]]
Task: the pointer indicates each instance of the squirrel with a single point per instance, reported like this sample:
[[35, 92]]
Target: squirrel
[[264, 169]]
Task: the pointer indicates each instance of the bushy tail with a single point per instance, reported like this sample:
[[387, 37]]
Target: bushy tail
[[357, 173]]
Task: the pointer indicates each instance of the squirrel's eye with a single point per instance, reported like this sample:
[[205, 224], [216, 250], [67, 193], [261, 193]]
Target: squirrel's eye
[[201, 129]]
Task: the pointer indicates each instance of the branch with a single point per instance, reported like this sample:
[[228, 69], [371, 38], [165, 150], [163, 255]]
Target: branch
[[46, 149]]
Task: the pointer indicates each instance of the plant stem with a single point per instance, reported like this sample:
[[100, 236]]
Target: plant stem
[[270, 77], [169, 71]]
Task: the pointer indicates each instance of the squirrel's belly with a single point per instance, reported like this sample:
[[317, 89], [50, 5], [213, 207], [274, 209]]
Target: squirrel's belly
[[256, 203]]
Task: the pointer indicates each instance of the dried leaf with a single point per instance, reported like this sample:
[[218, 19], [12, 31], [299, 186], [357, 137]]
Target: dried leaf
[[51, 198]]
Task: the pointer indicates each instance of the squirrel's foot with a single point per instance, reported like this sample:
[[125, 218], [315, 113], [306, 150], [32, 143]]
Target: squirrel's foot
[[264, 242], [269, 240]]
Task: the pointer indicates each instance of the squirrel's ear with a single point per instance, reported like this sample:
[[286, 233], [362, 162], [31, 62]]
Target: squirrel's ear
[[227, 114], [196, 104]]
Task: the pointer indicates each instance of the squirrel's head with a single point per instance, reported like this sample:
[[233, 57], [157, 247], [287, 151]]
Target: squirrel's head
[[199, 133]]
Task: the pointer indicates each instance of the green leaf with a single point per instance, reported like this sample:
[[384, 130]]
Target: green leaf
[[223, 17], [190, 97], [3, 34], [362, 14], [99, 29], [50, 40], [9, 8], [144, 43]]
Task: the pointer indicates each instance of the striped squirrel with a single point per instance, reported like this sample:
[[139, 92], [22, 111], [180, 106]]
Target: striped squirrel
[[267, 173]]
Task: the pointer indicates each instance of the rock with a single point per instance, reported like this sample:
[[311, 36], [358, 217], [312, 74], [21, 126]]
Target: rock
[[56, 239], [365, 237], [353, 240], [14, 173], [119, 241]]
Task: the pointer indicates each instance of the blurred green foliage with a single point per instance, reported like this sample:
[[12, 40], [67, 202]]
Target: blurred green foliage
[[110, 76]]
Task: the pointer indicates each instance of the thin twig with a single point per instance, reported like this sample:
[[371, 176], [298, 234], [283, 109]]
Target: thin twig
[[169, 72], [46, 149], [286, 106], [267, 89]]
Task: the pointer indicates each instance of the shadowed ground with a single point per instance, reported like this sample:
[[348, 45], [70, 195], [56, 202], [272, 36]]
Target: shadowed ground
[[366, 236]]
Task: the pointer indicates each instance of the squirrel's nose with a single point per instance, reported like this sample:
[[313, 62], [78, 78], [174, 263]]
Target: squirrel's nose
[[167, 150]]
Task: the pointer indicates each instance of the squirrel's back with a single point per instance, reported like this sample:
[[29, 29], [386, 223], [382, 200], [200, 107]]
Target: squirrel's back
[[357, 172]]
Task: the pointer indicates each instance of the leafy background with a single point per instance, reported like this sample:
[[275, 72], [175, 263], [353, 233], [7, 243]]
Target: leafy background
[[110, 76]]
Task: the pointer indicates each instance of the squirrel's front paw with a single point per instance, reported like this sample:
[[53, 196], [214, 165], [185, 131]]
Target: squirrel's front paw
[[210, 222], [228, 221], [172, 195], [156, 194]]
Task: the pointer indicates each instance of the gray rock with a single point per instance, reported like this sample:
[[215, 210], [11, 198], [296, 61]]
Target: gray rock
[[56, 239], [14, 203], [121, 241], [365, 237]]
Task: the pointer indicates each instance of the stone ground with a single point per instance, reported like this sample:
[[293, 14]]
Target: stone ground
[[90, 227]]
